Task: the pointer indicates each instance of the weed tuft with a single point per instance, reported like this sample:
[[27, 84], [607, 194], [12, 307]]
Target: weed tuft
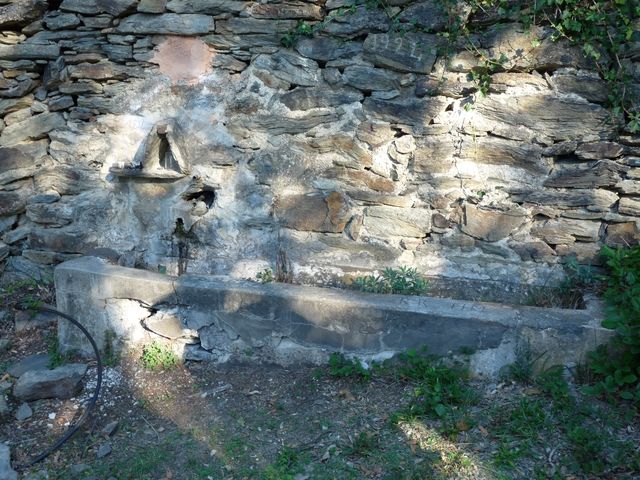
[[404, 281], [157, 356], [343, 367]]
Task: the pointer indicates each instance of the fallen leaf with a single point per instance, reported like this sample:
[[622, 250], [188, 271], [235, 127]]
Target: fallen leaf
[[462, 426], [347, 395]]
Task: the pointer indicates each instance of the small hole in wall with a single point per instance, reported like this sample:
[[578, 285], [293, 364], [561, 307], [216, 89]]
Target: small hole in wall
[[208, 196], [54, 4]]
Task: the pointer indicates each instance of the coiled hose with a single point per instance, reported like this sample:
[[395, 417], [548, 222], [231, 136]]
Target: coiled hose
[[92, 403]]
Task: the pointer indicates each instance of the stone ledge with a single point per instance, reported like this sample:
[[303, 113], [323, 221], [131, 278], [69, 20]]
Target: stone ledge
[[235, 316]]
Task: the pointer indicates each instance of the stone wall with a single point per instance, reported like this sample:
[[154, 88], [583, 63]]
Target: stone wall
[[183, 136]]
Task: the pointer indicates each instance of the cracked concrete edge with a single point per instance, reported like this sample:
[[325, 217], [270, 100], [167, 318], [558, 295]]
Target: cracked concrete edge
[[369, 326]]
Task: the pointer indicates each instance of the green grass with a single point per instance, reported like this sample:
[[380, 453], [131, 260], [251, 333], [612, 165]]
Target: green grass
[[56, 357], [157, 356]]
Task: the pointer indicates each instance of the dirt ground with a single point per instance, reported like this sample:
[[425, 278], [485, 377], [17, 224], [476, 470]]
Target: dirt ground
[[248, 421]]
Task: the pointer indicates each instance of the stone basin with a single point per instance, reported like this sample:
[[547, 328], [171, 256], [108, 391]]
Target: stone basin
[[219, 319]]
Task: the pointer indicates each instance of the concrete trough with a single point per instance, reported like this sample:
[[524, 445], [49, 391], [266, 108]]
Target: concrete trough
[[219, 319]]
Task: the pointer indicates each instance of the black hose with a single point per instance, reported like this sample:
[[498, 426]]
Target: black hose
[[92, 403]]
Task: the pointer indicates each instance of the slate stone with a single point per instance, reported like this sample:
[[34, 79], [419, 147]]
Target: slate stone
[[23, 155], [94, 7], [54, 73], [599, 150], [228, 62], [15, 235], [4, 253], [58, 240], [596, 200], [65, 179], [385, 221], [19, 13], [15, 104], [325, 49], [166, 324], [629, 187], [244, 26], [103, 450], [4, 408], [118, 53], [24, 411], [60, 103], [31, 362], [278, 125], [409, 52], [629, 206], [33, 128], [357, 22], [375, 133], [80, 87], [408, 111], [368, 79], [514, 41], [566, 231], [361, 179], [428, 16], [290, 67], [211, 7], [11, 203], [167, 24], [344, 145], [499, 151], [303, 98], [20, 89], [591, 88], [491, 225], [61, 21], [29, 51], [55, 215], [290, 9], [98, 22], [104, 70], [110, 428], [599, 174], [314, 213], [533, 251], [556, 118], [152, 6], [625, 234], [27, 320], [242, 42], [62, 382]]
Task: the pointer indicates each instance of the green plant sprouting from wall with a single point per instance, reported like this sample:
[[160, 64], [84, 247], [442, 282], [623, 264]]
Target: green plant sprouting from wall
[[617, 365], [404, 281]]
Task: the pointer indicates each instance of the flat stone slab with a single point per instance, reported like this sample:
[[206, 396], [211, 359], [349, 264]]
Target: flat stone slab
[[32, 362], [27, 320], [288, 323], [24, 411], [62, 382]]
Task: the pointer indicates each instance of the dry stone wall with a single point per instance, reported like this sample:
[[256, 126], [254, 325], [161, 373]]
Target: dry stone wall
[[183, 136]]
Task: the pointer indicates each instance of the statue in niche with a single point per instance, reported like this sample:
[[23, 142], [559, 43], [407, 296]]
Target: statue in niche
[[158, 157]]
